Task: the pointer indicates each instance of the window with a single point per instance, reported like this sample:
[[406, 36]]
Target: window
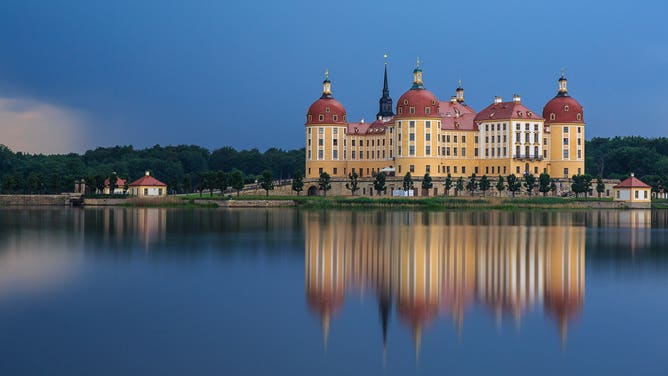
[[412, 168], [579, 154], [535, 170], [475, 152], [566, 154], [463, 139], [145, 191], [535, 127], [454, 168], [645, 194], [505, 139], [427, 168], [517, 169], [335, 154], [552, 116], [401, 110], [352, 154], [335, 142], [335, 117], [427, 110], [321, 142], [427, 137], [454, 151], [411, 109], [327, 110], [427, 150], [566, 108], [565, 129], [486, 152], [335, 170], [463, 152], [517, 137], [309, 154], [411, 150], [579, 141], [517, 126], [411, 124], [412, 137], [321, 130], [504, 151], [353, 142], [545, 141], [310, 118], [535, 138], [447, 151], [486, 139], [454, 138], [504, 126], [526, 137], [475, 139], [565, 141], [320, 154], [427, 123], [486, 170], [321, 117], [579, 118], [526, 126], [463, 169], [636, 193], [535, 151], [566, 172], [447, 138]]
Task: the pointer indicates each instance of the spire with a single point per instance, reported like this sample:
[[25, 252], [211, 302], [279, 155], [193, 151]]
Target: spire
[[563, 84], [417, 76], [460, 92], [385, 102], [326, 86]]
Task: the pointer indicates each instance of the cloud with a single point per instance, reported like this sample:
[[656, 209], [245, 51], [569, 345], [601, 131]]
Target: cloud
[[33, 126]]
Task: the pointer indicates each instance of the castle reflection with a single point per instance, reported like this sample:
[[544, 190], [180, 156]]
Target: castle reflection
[[432, 265]]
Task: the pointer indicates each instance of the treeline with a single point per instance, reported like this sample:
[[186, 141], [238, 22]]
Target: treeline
[[180, 167], [616, 158]]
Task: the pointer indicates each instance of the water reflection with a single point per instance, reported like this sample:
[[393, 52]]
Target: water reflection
[[430, 265]]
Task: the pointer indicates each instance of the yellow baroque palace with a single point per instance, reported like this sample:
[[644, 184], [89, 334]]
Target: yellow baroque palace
[[427, 135]]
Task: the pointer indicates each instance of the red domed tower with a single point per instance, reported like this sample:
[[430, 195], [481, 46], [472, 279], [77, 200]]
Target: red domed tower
[[325, 131], [417, 124], [564, 120]]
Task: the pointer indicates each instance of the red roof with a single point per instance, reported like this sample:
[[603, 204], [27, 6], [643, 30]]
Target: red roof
[[327, 107], [368, 129], [147, 181], [419, 100], [506, 111], [565, 110], [632, 182], [457, 116], [119, 182]]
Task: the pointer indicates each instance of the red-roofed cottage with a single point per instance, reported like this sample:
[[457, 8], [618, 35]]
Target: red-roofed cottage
[[118, 190], [632, 190], [148, 186]]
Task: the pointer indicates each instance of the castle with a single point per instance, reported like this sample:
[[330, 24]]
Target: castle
[[427, 135]]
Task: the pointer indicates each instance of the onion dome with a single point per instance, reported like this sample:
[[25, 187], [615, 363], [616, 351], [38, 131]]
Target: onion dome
[[326, 110], [563, 108], [418, 101]]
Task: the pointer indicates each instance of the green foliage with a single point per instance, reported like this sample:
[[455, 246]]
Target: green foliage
[[617, 157], [472, 184], [514, 184], [484, 184], [600, 186], [298, 181], [237, 180], [427, 181], [113, 182], [459, 185], [267, 181], [379, 183], [407, 183], [352, 186], [500, 184], [544, 183], [323, 182], [529, 183], [448, 184]]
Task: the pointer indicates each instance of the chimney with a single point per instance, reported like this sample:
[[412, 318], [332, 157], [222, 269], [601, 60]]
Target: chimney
[[517, 99], [453, 99], [497, 100], [147, 173]]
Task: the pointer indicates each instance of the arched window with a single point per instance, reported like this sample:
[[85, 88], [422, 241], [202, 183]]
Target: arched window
[[579, 116], [566, 108], [552, 117]]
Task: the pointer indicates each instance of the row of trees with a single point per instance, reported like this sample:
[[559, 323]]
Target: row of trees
[[183, 168], [581, 184]]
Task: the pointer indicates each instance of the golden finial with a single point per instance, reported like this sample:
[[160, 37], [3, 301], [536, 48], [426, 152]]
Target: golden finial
[[327, 73]]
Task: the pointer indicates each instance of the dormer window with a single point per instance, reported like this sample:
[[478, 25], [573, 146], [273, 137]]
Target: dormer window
[[566, 108], [411, 109], [335, 117], [400, 110], [433, 102], [552, 117], [529, 113], [519, 113], [327, 109], [579, 116], [427, 110], [310, 117], [405, 102], [321, 117]]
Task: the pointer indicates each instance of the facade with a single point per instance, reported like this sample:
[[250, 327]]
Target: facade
[[148, 186], [633, 190], [427, 135]]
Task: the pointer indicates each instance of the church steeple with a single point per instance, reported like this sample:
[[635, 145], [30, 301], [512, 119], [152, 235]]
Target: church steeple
[[385, 102], [417, 76], [563, 85], [460, 92]]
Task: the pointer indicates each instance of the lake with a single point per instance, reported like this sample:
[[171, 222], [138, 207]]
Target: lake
[[154, 291]]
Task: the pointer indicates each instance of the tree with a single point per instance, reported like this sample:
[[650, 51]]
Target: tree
[[237, 181], [586, 184], [514, 184], [472, 184], [323, 182], [448, 184], [553, 187], [352, 185], [484, 184], [529, 183], [187, 184], [298, 181], [427, 183], [379, 183], [407, 183], [267, 181], [600, 186], [500, 185], [544, 183], [222, 181], [459, 185]]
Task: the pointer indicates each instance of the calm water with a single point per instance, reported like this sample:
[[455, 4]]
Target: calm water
[[283, 291]]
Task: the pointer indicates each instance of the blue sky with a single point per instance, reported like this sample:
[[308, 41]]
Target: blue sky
[[78, 74]]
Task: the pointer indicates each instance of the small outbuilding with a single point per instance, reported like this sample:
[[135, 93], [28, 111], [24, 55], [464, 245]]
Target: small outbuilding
[[634, 191], [148, 186], [118, 189]]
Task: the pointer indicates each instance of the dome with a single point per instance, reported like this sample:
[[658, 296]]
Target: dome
[[563, 109], [326, 111], [422, 101]]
